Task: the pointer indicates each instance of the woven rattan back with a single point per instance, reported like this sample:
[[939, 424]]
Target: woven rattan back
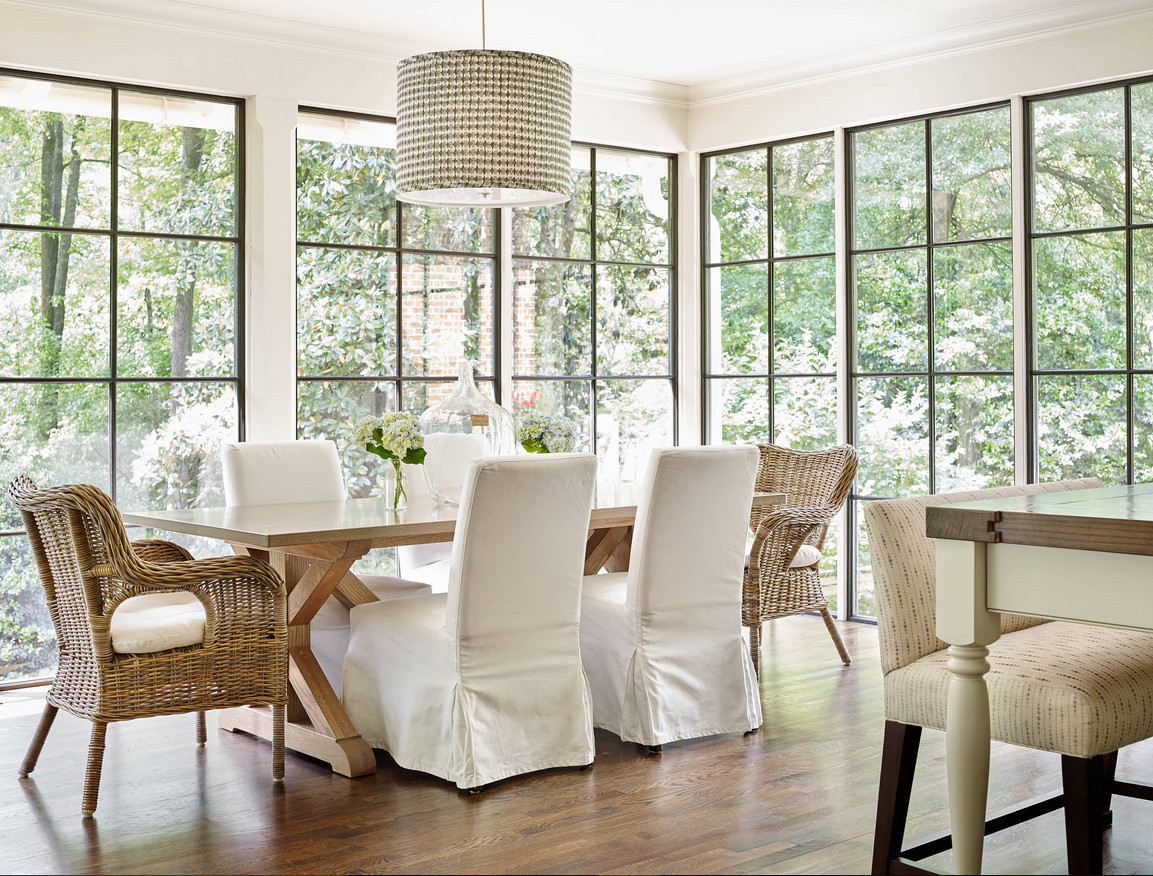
[[808, 478]]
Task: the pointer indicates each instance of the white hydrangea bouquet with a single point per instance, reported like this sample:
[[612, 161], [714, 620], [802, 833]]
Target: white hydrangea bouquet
[[395, 437], [542, 433]]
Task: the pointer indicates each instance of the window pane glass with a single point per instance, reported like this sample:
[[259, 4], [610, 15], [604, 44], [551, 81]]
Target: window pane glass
[[805, 412], [739, 411], [53, 305], [345, 181], [562, 231], [1079, 161], [803, 197], [1081, 427], [972, 195], [345, 312], [331, 409], [974, 421], [55, 148], [176, 308], [1079, 301], [973, 307], [1142, 428], [1142, 298], [447, 229], [168, 438], [571, 399], [633, 331], [892, 292], [739, 336], [1141, 114], [177, 165], [738, 206], [54, 433], [633, 417], [893, 436], [446, 315], [866, 595], [417, 396], [27, 637], [632, 218], [889, 186], [552, 318], [805, 316]]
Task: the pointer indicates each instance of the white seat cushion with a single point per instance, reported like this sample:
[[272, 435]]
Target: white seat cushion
[[435, 575], [806, 556], [156, 622]]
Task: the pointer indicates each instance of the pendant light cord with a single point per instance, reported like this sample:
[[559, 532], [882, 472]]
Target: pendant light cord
[[483, 44]]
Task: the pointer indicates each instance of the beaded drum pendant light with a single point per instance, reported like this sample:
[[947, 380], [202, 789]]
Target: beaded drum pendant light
[[483, 128]]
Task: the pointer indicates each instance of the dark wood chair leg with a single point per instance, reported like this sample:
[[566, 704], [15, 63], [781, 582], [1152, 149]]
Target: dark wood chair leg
[[1083, 781], [1110, 775], [898, 762]]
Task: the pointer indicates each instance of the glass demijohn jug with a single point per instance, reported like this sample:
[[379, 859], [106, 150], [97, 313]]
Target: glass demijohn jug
[[463, 427]]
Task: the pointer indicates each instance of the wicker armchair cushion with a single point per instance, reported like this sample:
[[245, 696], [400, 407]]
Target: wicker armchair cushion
[[1096, 699], [806, 555], [156, 622]]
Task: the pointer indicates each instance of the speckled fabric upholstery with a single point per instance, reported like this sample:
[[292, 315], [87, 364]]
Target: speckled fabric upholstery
[[1069, 688]]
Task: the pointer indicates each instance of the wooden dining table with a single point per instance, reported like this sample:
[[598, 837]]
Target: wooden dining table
[[313, 545], [1081, 555]]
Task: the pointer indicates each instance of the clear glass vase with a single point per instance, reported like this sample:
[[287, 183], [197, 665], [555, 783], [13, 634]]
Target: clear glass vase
[[463, 427]]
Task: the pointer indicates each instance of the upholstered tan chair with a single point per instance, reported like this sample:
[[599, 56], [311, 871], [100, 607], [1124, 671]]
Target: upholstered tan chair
[[782, 574], [145, 630], [485, 682], [662, 642], [1078, 690]]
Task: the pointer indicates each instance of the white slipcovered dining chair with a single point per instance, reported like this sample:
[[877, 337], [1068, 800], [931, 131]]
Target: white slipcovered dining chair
[[485, 682], [1077, 690], [428, 563], [280, 472], [662, 643]]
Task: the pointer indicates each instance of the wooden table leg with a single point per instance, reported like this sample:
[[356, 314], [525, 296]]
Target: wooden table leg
[[608, 548], [316, 723], [964, 621]]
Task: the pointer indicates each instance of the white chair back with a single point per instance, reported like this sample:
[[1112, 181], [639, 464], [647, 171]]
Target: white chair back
[[277, 472], [411, 557], [688, 550], [518, 561]]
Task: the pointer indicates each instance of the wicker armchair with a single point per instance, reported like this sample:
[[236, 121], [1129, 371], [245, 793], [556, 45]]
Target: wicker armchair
[[89, 567], [782, 577]]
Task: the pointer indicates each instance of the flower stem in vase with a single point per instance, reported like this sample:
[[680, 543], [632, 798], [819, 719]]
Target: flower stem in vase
[[399, 497]]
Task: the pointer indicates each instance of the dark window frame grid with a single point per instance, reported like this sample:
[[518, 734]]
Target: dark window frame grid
[[931, 373], [770, 262], [113, 234], [398, 380], [1034, 374], [592, 263]]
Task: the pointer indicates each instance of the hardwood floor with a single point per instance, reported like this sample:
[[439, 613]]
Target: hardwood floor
[[796, 797]]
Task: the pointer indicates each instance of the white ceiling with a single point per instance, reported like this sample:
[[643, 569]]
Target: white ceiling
[[703, 46]]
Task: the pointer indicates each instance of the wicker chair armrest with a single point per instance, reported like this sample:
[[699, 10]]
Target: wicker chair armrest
[[780, 534], [199, 574], [156, 550]]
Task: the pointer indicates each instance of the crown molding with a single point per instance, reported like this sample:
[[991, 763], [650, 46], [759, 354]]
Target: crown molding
[[1005, 32], [193, 18]]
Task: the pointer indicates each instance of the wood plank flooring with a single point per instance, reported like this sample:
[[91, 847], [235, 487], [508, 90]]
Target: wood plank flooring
[[796, 797]]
